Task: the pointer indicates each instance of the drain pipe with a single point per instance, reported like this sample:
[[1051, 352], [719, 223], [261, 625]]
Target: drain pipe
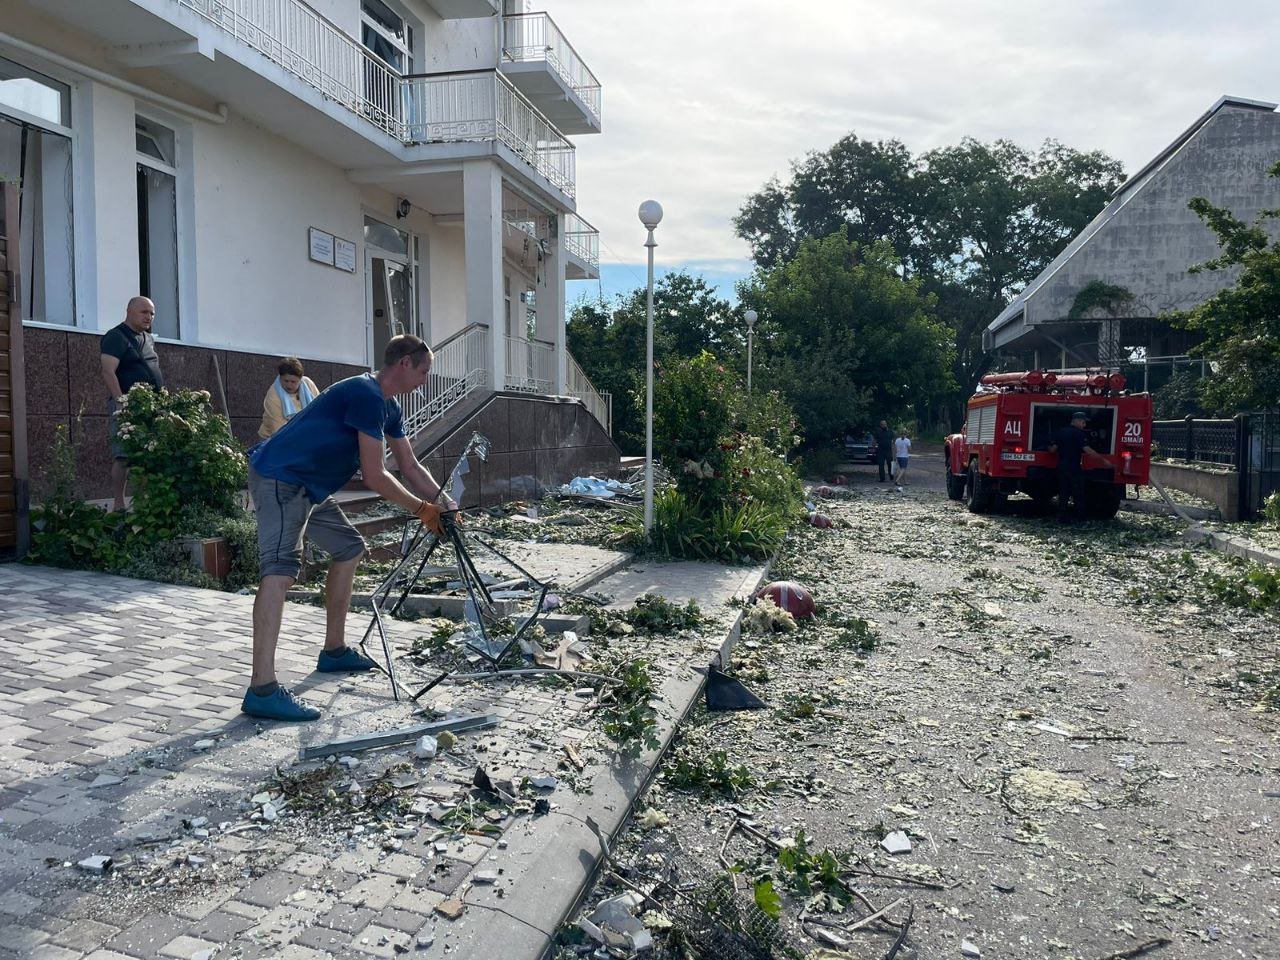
[[125, 86]]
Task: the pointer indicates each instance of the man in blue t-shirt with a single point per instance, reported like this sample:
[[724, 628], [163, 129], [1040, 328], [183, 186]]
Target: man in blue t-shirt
[[293, 477], [1070, 443]]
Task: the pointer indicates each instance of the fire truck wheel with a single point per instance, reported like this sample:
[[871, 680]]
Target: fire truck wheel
[[1102, 500], [978, 490], [955, 486]]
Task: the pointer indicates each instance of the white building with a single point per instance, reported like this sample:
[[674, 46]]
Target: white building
[[295, 177]]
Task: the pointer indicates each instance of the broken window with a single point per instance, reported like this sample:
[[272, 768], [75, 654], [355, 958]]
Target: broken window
[[158, 223], [39, 161]]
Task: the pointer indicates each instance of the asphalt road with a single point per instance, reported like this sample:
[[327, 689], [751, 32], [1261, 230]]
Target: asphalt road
[[1074, 729]]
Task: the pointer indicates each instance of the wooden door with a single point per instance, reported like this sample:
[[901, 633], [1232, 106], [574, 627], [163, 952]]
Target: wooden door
[[13, 418]]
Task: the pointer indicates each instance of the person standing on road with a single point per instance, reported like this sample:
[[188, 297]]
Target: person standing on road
[[1070, 443], [293, 477], [128, 357], [902, 453], [884, 448]]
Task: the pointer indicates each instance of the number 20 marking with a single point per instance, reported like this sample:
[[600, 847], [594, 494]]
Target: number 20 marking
[[1133, 432]]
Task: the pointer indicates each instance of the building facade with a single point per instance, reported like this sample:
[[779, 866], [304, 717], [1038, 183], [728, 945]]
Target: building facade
[[1141, 248], [293, 177]]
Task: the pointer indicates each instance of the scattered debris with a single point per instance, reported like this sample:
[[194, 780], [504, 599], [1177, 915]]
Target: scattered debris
[[896, 842], [390, 737]]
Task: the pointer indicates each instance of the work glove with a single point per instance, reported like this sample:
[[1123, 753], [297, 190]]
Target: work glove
[[430, 515]]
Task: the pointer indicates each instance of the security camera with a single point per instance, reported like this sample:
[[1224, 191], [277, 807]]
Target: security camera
[[403, 206]]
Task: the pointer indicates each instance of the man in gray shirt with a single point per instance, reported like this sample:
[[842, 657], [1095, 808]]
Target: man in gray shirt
[[128, 358]]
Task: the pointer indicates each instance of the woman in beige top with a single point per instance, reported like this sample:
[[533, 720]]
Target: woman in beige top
[[290, 393]]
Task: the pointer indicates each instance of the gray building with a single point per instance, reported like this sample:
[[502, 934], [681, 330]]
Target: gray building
[[1144, 242]]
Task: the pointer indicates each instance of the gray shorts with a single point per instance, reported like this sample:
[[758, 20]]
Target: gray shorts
[[113, 430], [285, 514]]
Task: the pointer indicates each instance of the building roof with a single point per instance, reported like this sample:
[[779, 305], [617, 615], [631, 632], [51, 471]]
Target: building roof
[[1123, 196]]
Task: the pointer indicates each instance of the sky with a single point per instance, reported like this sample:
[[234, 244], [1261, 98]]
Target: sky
[[705, 100]]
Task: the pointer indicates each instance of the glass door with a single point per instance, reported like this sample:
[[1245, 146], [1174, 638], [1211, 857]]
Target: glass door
[[390, 287]]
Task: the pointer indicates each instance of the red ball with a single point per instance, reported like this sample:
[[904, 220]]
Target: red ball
[[789, 596], [821, 521]]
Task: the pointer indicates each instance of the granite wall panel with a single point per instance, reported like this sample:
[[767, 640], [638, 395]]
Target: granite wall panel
[[46, 369], [537, 443]]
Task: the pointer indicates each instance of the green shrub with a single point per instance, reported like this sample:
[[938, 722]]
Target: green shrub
[[768, 416], [692, 414], [186, 473], [731, 532], [758, 474], [65, 531], [1271, 508], [181, 456], [821, 462]]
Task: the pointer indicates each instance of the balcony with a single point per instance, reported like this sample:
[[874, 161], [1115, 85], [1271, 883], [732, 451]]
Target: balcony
[[546, 68], [463, 9], [484, 105], [582, 249], [364, 108]]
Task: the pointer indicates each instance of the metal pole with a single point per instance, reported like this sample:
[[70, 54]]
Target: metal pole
[[648, 393], [748, 362]]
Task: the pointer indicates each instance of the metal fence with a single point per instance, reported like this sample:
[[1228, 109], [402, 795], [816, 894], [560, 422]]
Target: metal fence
[[1197, 441], [1248, 443], [1263, 474]]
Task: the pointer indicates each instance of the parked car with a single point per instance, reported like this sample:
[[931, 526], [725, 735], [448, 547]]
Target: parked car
[[860, 446]]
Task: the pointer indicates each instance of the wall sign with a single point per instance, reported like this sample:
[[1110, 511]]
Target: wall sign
[[321, 245], [344, 254]]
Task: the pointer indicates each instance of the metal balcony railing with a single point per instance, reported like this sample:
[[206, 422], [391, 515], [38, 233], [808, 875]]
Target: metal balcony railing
[[485, 106], [531, 37], [578, 384], [294, 36], [426, 108], [582, 239], [531, 366], [460, 368]]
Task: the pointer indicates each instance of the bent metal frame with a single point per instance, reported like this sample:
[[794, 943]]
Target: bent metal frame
[[417, 546]]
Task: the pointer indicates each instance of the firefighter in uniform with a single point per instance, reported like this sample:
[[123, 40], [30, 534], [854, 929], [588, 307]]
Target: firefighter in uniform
[[1070, 443]]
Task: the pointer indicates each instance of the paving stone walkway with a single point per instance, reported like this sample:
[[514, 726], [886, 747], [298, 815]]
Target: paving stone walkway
[[117, 688]]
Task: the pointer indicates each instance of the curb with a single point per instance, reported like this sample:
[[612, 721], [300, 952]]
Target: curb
[[653, 760], [1231, 545], [557, 863], [1164, 510]]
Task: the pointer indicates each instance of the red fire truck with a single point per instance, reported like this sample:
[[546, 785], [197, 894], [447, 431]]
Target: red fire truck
[[1004, 445]]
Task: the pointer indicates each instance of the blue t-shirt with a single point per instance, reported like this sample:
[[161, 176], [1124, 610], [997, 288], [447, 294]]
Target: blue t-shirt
[[319, 447]]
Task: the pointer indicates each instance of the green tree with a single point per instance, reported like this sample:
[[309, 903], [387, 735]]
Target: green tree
[[608, 340], [846, 338], [975, 221], [1241, 324]]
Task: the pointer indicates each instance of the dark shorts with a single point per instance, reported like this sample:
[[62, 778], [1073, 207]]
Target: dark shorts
[[902, 462], [285, 514], [113, 430]]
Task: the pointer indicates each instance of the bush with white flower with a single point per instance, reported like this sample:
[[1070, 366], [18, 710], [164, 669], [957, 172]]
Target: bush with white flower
[[182, 459]]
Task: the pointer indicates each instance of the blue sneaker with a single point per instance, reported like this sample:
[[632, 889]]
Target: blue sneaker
[[280, 705], [350, 660]]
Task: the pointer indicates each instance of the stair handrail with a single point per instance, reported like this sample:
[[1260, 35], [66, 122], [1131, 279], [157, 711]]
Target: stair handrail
[[579, 385], [460, 368]]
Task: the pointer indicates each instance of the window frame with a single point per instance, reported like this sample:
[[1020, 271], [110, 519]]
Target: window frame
[[185, 329], [405, 46], [81, 288]]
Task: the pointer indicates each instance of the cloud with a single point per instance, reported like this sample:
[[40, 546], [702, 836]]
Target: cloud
[[704, 101]]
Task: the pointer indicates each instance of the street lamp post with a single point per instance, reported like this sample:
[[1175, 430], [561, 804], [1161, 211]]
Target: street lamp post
[[750, 316], [650, 216]]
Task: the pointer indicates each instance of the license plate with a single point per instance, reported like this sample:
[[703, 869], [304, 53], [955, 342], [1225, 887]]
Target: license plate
[[1018, 456]]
